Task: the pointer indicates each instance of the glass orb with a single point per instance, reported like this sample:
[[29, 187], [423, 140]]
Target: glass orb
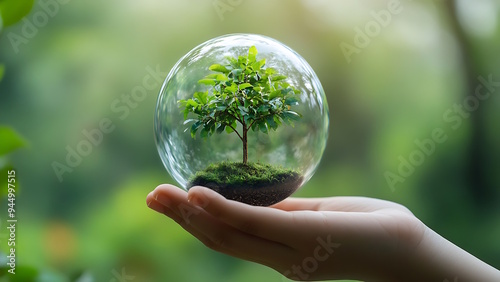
[[294, 147]]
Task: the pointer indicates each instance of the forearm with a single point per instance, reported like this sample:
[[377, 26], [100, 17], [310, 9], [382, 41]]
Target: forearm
[[437, 259]]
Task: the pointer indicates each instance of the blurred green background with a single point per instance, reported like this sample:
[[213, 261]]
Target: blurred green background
[[68, 62]]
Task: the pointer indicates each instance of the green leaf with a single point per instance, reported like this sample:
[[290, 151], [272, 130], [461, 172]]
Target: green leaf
[[243, 110], [12, 11], [263, 109], [254, 79], [242, 61], [237, 101], [275, 94], [221, 77], [249, 70], [291, 115], [270, 71], [276, 119], [248, 117], [286, 120], [252, 53], [255, 127], [232, 88], [206, 81], [218, 68], [195, 127], [271, 122], [258, 65], [10, 140], [278, 78], [245, 85], [257, 88], [247, 103], [236, 73], [212, 76], [201, 96], [263, 126], [204, 132], [286, 91], [5, 168], [229, 129], [291, 101], [221, 128], [192, 103], [211, 129]]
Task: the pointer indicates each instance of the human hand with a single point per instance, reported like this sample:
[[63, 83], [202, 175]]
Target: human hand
[[319, 238], [304, 239]]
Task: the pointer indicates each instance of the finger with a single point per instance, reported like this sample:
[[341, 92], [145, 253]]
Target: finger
[[341, 204], [262, 222], [296, 204], [293, 228], [158, 207], [153, 204], [217, 235]]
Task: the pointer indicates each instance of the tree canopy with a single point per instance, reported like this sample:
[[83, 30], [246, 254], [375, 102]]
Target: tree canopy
[[241, 91]]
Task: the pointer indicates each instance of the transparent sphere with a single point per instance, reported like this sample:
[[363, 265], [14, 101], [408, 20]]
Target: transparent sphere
[[295, 146]]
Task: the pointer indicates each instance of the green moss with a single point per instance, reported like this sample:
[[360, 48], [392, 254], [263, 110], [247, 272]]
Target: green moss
[[237, 174]]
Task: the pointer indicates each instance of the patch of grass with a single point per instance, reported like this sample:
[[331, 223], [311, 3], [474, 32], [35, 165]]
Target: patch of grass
[[240, 175]]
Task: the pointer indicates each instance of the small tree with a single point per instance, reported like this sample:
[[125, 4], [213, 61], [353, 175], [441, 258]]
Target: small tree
[[244, 92]]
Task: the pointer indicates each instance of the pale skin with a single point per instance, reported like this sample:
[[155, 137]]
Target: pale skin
[[322, 238]]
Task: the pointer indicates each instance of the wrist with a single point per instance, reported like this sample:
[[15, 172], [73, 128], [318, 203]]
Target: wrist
[[437, 259]]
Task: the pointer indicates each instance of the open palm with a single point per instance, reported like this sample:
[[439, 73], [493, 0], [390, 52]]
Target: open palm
[[304, 239]]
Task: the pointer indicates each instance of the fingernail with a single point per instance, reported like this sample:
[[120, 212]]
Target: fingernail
[[154, 205], [164, 200]]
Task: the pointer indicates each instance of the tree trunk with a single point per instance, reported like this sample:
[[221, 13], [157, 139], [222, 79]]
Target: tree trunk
[[245, 145]]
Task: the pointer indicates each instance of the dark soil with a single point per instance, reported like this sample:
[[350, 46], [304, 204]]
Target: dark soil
[[253, 184]]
